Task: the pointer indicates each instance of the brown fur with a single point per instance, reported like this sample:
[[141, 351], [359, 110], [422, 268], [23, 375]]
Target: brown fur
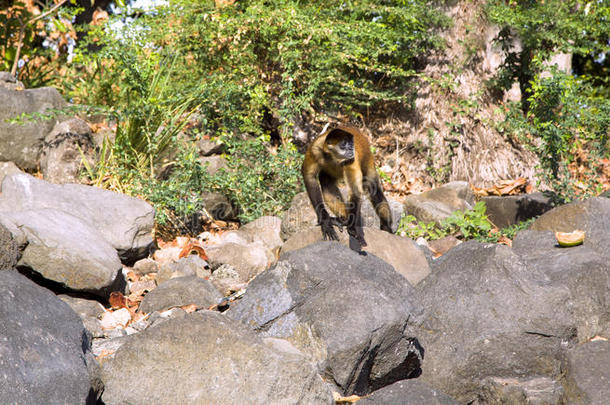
[[326, 166]]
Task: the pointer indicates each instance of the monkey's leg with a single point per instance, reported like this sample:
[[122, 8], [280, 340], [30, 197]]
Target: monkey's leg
[[333, 198], [374, 190], [354, 220], [314, 192]]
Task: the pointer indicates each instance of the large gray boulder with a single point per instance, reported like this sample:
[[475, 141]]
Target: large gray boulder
[[181, 291], [125, 222], [497, 320], [439, 203], [350, 313], [207, 358], [22, 144], [508, 210], [65, 249], [400, 252], [580, 269], [591, 216], [64, 148], [45, 350]]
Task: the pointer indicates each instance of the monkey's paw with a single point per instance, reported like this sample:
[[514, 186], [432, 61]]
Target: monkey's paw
[[358, 235], [328, 229]]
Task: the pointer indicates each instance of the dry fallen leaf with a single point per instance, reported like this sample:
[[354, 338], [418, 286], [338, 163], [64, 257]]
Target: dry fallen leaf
[[131, 276], [339, 399], [117, 300], [504, 187], [505, 240], [193, 246], [189, 308]]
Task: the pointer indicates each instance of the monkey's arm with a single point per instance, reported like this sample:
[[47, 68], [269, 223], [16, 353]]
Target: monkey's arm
[[314, 191]]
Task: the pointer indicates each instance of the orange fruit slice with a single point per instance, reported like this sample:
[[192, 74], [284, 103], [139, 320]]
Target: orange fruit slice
[[568, 239]]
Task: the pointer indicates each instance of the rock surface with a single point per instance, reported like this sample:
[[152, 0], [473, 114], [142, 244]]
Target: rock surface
[[89, 311], [591, 216], [206, 358], [408, 392], [589, 373], [125, 222], [509, 210], [349, 313], [266, 230], [494, 313], [301, 215], [45, 349], [61, 160], [9, 249], [8, 81], [208, 147], [439, 203], [181, 291], [7, 168], [401, 253], [64, 249], [22, 144], [213, 164], [191, 265], [218, 206], [248, 260]]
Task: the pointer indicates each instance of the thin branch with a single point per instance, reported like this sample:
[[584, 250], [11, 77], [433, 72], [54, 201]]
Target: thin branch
[[22, 31]]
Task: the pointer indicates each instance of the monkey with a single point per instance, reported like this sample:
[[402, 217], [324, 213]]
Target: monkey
[[338, 155]]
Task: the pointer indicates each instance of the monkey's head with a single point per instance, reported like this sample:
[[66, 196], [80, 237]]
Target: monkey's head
[[339, 145]]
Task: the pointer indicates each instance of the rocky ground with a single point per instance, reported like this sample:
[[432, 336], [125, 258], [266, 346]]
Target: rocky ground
[[304, 318], [94, 312]]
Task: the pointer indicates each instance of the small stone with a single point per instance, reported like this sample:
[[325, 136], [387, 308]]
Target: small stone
[[146, 266], [113, 319]]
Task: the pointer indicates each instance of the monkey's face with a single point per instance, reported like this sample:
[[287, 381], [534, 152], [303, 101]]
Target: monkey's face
[[341, 149]]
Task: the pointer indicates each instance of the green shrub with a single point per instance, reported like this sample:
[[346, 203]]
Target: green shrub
[[256, 182], [248, 70], [508, 232], [284, 58], [574, 128], [567, 126], [259, 181], [471, 224], [544, 28]]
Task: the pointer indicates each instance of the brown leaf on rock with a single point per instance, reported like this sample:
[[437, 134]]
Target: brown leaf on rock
[[180, 247], [131, 276], [117, 300], [189, 308], [504, 187], [339, 399], [504, 240], [193, 246]]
